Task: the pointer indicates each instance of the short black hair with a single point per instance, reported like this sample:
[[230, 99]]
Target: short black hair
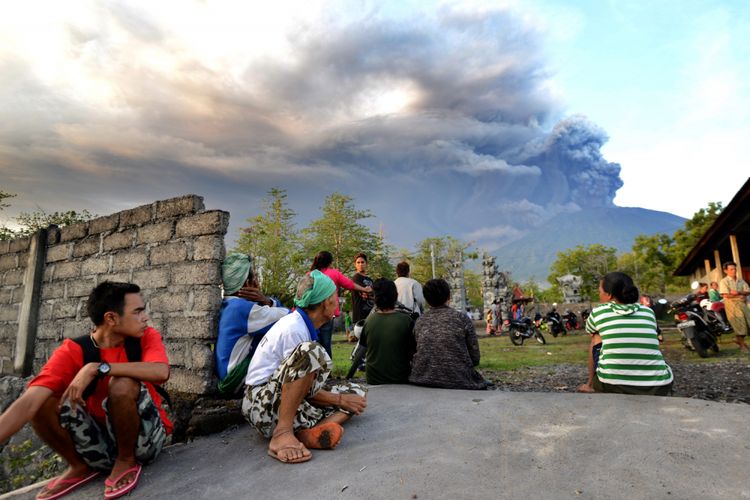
[[402, 269], [360, 254], [725, 265], [385, 293], [108, 296], [436, 292]]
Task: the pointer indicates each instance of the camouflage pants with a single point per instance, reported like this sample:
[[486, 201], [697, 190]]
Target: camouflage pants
[[98, 447], [260, 406]]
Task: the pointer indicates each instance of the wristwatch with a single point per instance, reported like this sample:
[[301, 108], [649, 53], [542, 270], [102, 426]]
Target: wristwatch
[[103, 369]]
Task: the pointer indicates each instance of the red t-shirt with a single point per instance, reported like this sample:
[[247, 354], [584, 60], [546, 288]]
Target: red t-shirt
[[67, 360]]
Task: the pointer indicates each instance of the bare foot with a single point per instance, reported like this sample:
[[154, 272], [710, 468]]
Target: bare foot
[[120, 467], [585, 388], [285, 447]]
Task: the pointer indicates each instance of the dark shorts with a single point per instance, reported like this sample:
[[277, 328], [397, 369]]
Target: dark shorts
[[659, 390]]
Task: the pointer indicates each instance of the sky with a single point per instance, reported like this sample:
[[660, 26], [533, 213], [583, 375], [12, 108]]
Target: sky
[[480, 119]]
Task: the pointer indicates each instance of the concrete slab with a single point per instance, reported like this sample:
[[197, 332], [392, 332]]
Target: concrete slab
[[431, 443]]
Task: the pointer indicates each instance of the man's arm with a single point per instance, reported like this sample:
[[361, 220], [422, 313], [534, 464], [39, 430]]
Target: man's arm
[[353, 403], [22, 411]]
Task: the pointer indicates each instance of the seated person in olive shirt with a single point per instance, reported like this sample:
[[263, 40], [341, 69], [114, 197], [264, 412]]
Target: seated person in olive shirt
[[389, 338]]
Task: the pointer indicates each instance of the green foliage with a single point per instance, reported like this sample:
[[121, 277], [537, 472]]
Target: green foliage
[[589, 262], [29, 465], [30, 222], [532, 288], [654, 258], [473, 284], [3, 196], [275, 247], [445, 249], [340, 231]]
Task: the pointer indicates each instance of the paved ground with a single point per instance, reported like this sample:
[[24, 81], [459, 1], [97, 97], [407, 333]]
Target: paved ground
[[430, 443]]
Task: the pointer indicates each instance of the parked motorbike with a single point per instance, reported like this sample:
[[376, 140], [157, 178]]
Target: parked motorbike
[[585, 315], [554, 323], [570, 320], [358, 353], [522, 329], [699, 333]]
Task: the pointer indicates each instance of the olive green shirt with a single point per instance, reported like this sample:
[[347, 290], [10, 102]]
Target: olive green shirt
[[390, 346]]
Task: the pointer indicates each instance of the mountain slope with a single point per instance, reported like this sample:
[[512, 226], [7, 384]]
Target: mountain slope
[[532, 255]]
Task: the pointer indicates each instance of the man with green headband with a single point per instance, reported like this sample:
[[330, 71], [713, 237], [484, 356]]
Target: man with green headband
[[284, 397], [246, 315]]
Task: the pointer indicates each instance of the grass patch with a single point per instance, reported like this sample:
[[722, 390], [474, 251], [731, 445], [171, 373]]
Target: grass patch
[[500, 355]]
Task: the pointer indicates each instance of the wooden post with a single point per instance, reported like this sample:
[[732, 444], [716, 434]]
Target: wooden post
[[735, 253], [32, 292], [717, 260]]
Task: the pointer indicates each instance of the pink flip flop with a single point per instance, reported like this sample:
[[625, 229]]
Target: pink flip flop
[[125, 489], [70, 484]]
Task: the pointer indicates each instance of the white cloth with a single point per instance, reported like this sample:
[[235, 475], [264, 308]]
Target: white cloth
[[409, 293], [286, 334]]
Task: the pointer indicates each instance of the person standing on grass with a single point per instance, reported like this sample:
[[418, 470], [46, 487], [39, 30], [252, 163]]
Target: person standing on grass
[[409, 289], [624, 355], [284, 399], [322, 262], [734, 290], [100, 416], [361, 301]]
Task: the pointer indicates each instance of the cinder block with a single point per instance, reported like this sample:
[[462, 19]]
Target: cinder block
[[169, 253], [58, 252], [49, 330], [18, 291], [72, 329], [176, 353], [19, 245], [115, 277], [14, 276], [136, 216], [190, 381], [88, 246], [74, 232], [4, 246], [116, 241], [6, 293], [155, 233], [53, 235], [7, 349], [197, 273], [213, 222], [80, 288], [103, 224], [8, 261], [209, 248], [8, 331], [201, 358], [65, 270], [168, 302], [9, 312], [66, 308], [129, 260], [54, 290], [188, 204], [191, 328], [152, 278], [206, 298], [96, 265]]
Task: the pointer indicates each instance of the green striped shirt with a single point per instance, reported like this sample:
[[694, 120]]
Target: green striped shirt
[[630, 352]]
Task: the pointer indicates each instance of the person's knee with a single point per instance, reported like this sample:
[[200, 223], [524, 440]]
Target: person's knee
[[49, 409], [124, 388]]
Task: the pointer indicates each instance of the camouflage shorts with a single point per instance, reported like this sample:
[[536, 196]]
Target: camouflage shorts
[[260, 406], [98, 447]]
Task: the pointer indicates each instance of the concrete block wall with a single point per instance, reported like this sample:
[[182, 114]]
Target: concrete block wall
[[172, 249], [13, 261]]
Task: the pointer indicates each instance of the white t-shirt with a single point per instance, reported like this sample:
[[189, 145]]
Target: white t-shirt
[[283, 337], [409, 293]]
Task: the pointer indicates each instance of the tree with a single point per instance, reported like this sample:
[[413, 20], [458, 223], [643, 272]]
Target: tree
[[445, 250], [30, 222], [340, 231], [473, 283], [275, 247], [589, 262]]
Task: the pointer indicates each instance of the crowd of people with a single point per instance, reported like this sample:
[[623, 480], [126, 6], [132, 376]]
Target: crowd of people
[[97, 401]]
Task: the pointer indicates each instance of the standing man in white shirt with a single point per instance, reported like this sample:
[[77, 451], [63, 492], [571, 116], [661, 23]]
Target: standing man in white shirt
[[409, 290]]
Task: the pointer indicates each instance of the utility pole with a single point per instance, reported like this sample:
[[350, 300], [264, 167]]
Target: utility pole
[[432, 258]]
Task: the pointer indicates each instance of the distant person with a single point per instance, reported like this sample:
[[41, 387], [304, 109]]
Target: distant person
[[447, 346], [246, 315], [388, 334], [285, 400], [362, 302], [734, 290], [624, 355], [103, 416], [713, 293], [409, 290], [322, 262]]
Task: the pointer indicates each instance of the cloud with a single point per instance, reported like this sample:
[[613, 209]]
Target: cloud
[[436, 122]]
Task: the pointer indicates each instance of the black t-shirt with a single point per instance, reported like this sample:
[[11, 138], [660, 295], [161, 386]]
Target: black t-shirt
[[361, 306]]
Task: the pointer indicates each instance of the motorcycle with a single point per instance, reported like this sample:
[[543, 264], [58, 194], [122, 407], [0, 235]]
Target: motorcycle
[[358, 353], [585, 315], [699, 332], [522, 329], [571, 320], [554, 323]]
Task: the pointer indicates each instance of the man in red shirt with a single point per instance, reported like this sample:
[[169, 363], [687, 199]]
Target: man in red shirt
[[119, 426]]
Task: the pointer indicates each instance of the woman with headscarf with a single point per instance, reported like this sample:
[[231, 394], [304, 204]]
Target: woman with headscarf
[[284, 399], [246, 315], [322, 262]]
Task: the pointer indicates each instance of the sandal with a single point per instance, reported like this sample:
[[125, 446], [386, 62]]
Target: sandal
[[69, 484], [125, 488]]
